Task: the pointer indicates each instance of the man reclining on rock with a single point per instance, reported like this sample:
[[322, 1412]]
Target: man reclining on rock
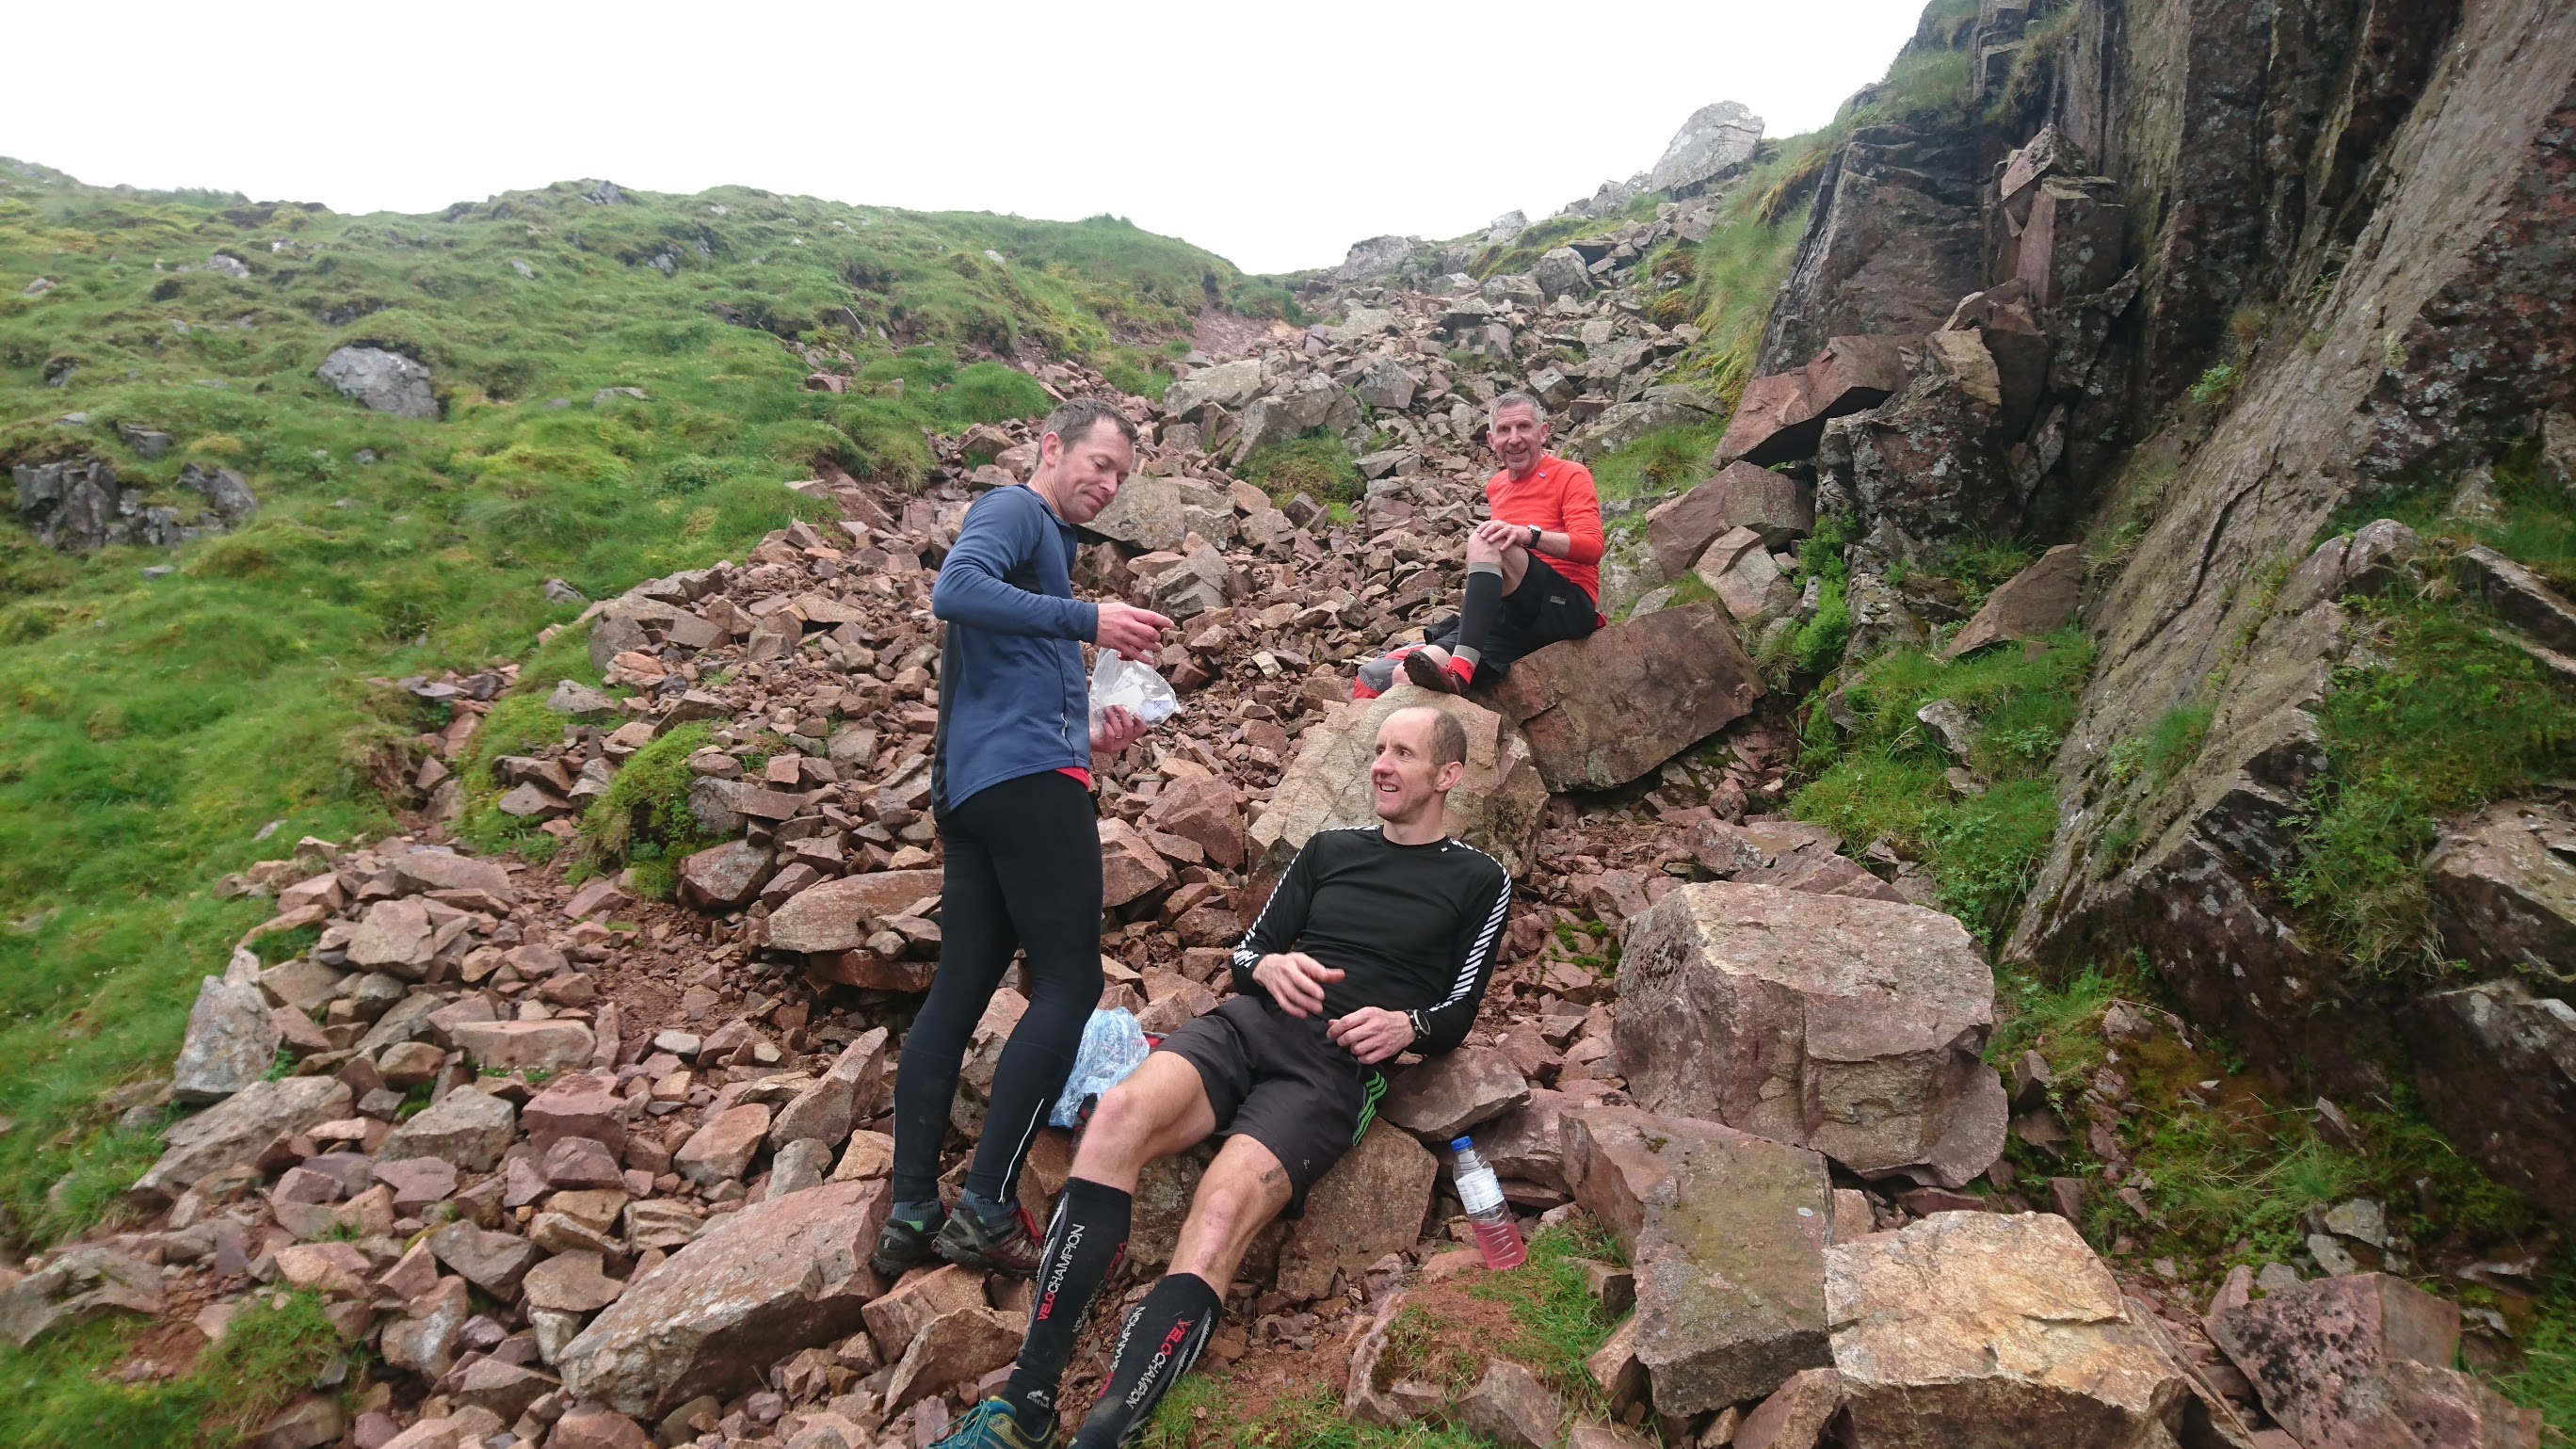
[[1378, 940], [1533, 568]]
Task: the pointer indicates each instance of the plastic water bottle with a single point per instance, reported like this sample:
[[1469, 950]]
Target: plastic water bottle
[[1498, 1237]]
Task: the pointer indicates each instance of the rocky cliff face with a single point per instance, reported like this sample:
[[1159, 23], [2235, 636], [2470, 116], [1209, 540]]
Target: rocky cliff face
[[2243, 269], [2436, 340]]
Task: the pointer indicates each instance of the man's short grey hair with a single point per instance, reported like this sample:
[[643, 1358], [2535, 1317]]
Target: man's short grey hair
[[1074, 418], [1538, 410]]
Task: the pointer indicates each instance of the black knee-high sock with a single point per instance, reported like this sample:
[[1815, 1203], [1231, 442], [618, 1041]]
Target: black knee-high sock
[[1476, 615], [1163, 1337], [1083, 1244]]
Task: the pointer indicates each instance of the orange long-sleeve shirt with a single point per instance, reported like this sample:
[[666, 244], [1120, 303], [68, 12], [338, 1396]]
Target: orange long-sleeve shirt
[[1557, 496]]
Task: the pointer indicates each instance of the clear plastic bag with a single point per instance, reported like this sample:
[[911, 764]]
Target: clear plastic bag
[[1113, 1046], [1118, 680]]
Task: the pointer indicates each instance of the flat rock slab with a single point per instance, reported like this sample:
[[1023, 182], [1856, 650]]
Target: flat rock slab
[[2365, 1360], [2038, 600], [1601, 711], [1449, 1094], [1727, 1232], [755, 1286], [833, 916], [235, 1129], [425, 869], [468, 1128], [2004, 1321], [1326, 786], [1742, 495], [508, 1046], [1851, 1026]]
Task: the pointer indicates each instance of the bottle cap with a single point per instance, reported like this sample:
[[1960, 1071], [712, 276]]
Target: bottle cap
[[1459, 1144]]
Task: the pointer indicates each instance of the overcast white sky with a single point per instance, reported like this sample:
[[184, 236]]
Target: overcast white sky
[[1273, 135]]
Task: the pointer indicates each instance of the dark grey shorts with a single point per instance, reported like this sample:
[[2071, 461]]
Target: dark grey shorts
[[1280, 1081]]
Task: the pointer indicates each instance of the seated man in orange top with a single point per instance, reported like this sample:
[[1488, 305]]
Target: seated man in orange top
[[1533, 569]]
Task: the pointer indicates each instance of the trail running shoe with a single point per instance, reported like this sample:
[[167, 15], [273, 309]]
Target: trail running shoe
[[903, 1245], [992, 1425], [1437, 677], [1011, 1247]]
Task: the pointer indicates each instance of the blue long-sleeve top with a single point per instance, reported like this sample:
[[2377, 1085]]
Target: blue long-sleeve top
[[1013, 698]]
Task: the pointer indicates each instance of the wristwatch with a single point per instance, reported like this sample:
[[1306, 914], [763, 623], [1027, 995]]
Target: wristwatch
[[1534, 535], [1420, 1027]]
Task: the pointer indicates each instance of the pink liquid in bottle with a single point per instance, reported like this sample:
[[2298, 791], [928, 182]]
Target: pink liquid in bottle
[[1480, 1192]]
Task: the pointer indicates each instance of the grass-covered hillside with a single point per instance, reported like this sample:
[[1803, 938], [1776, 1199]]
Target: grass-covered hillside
[[151, 727]]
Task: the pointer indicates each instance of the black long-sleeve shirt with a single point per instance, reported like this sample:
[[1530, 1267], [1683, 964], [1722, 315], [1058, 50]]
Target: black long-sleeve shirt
[[1412, 928]]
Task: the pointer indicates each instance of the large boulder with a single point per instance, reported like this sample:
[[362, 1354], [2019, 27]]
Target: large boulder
[[386, 381], [2504, 890], [2009, 1323], [468, 1128], [1377, 256], [1314, 404], [756, 1286], [1370, 1204], [1601, 711], [834, 915], [1453, 1092], [1715, 142], [426, 868], [1562, 272], [1227, 384], [825, 1111], [1775, 505], [2496, 1066], [1930, 460], [1727, 1234], [234, 1130], [1781, 418], [1202, 810], [76, 1288], [1154, 513], [2038, 600], [1326, 786], [2365, 1360], [231, 1041], [1851, 1026], [724, 877]]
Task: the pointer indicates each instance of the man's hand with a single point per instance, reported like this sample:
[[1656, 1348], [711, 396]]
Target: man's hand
[[1372, 1034], [1128, 630], [1295, 980], [1119, 728], [1495, 533]]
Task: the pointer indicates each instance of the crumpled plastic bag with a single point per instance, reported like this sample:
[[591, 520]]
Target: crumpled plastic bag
[[1118, 680], [1113, 1046]]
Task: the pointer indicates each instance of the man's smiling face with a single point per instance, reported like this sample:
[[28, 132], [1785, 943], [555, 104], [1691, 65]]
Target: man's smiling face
[[1404, 774], [1518, 438], [1086, 471]]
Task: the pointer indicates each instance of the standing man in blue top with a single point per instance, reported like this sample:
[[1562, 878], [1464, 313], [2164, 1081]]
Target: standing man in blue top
[[1010, 784]]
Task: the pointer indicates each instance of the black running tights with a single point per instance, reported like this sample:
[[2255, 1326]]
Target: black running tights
[[1023, 872]]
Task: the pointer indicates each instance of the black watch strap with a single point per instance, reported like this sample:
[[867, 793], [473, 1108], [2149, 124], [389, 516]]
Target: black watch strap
[[1534, 536], [1421, 1028]]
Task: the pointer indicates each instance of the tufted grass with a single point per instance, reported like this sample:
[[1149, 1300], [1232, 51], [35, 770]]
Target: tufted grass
[[276, 1349], [1884, 780]]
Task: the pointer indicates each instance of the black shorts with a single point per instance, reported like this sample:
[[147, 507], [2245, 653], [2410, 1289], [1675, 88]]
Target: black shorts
[[1546, 608], [1280, 1081]]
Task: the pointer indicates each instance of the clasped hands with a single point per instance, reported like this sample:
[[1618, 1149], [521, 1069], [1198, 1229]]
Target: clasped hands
[[1296, 981]]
